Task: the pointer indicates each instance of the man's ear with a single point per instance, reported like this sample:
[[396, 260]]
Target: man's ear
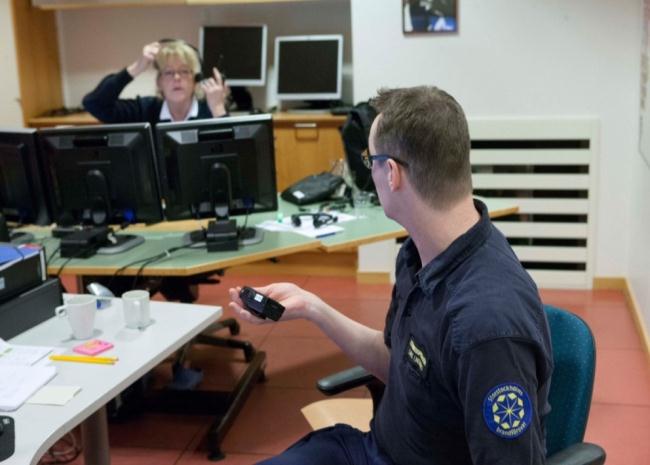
[[395, 179]]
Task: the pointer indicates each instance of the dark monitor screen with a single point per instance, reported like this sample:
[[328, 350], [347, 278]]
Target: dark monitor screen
[[22, 194], [309, 67], [198, 159], [102, 174], [239, 52]]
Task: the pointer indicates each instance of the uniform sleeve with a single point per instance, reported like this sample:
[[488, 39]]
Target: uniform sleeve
[[500, 396], [104, 102], [390, 316]]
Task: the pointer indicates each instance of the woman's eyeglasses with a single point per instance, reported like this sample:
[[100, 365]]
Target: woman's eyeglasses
[[369, 159], [170, 74]]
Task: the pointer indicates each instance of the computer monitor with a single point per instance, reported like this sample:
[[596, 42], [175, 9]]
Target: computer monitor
[[22, 195], [239, 52], [217, 167], [309, 67], [103, 175]]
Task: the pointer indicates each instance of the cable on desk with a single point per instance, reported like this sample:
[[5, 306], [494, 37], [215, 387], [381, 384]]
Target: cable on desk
[[155, 258], [47, 260]]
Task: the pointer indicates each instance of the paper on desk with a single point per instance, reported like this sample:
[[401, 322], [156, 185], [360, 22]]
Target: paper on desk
[[307, 228], [12, 354], [54, 395]]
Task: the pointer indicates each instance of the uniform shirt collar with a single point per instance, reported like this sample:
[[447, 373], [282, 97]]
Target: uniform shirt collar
[[165, 114], [429, 275]]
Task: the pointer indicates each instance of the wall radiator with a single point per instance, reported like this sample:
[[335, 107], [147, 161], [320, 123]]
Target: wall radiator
[[548, 168]]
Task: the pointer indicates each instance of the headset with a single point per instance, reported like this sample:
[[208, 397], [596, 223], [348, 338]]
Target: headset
[[198, 77], [318, 219]]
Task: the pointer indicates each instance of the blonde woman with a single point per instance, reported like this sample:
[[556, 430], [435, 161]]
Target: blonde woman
[[182, 95]]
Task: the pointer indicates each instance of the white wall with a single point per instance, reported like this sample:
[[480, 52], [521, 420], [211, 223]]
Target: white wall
[[11, 114], [639, 271], [95, 42], [525, 58]]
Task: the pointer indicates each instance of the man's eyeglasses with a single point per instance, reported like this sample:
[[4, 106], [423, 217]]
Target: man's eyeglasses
[[369, 159], [171, 73]]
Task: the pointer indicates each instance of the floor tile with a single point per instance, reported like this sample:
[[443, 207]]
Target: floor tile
[[622, 377], [623, 431], [301, 362], [199, 458], [329, 287], [138, 456], [271, 420], [156, 431]]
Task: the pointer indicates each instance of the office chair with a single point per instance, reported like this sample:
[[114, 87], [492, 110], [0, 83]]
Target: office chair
[[574, 356]]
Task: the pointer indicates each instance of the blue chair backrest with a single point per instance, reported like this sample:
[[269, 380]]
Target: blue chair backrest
[[574, 356]]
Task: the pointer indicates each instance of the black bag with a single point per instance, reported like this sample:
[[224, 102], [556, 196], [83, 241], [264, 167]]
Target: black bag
[[355, 132], [312, 189]]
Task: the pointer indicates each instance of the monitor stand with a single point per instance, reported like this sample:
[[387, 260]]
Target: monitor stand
[[248, 236], [119, 243], [20, 237]]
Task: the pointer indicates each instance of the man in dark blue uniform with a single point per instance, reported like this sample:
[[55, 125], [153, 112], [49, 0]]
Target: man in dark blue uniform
[[465, 354]]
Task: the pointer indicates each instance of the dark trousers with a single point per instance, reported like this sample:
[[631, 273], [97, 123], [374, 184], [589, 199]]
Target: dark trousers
[[336, 445]]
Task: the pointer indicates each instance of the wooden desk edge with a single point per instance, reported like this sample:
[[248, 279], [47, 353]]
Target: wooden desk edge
[[75, 270]]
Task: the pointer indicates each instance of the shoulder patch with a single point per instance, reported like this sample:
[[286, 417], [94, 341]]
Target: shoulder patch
[[507, 410]]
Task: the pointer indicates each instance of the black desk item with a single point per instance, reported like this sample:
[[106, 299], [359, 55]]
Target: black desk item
[[29, 308], [7, 438]]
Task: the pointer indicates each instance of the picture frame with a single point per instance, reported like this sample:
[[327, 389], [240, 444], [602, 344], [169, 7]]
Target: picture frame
[[429, 16]]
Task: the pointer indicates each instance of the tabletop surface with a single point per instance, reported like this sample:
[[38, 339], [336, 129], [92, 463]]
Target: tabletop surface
[[371, 225], [37, 427]]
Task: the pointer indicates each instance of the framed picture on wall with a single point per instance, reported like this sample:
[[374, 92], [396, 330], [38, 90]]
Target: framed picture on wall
[[429, 16]]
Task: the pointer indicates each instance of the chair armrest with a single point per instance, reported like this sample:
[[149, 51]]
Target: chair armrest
[[344, 380], [578, 454]]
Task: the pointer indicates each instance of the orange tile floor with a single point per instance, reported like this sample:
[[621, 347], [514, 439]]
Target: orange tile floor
[[298, 354]]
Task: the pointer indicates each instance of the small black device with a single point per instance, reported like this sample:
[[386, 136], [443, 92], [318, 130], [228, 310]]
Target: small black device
[[313, 188], [7, 437], [260, 305], [84, 243], [319, 219]]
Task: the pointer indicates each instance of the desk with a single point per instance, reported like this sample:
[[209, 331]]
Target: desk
[[372, 227], [38, 427]]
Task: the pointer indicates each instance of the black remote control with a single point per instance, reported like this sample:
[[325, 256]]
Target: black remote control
[[260, 305], [7, 437]]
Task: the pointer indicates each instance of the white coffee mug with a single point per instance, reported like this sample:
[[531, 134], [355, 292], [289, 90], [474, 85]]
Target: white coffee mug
[[136, 309], [80, 311]]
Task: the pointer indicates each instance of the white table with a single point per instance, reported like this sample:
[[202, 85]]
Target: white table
[[38, 427]]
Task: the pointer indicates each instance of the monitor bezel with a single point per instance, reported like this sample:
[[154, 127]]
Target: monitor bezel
[[241, 82], [310, 96], [43, 211], [162, 128], [142, 127]]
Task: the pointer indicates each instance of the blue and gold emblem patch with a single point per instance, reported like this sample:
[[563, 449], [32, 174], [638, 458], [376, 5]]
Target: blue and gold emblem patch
[[507, 410]]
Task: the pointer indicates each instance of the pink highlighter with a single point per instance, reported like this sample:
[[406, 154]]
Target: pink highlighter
[[92, 347]]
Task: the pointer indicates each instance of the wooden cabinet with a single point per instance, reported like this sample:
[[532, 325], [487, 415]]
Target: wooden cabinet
[[305, 144], [69, 4]]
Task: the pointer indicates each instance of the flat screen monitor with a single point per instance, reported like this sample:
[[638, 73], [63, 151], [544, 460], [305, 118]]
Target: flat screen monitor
[[22, 192], [102, 175], [309, 67], [239, 52], [206, 164]]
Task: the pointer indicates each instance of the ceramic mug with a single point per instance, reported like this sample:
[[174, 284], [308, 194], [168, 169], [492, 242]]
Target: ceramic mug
[[80, 311], [136, 309]]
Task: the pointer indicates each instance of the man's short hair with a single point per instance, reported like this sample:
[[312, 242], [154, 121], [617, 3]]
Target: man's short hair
[[425, 127]]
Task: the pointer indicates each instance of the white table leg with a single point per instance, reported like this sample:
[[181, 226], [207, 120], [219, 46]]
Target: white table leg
[[94, 431]]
